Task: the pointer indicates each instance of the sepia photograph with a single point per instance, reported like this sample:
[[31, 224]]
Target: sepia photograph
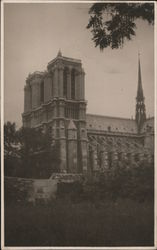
[[78, 124]]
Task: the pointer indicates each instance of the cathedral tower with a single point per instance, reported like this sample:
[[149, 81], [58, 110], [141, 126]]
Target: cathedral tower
[[55, 100], [140, 105]]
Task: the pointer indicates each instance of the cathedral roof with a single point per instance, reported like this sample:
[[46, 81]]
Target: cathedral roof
[[148, 123], [114, 124]]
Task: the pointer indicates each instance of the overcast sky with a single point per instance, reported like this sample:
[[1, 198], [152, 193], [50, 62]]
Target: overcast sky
[[35, 32]]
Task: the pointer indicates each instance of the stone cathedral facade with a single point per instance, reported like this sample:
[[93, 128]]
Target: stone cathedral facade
[[55, 101]]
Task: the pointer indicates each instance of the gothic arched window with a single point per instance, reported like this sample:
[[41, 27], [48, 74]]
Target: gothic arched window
[[136, 157], [52, 86], [42, 92], [65, 74], [109, 128], [119, 156], [30, 97], [73, 84], [110, 159]]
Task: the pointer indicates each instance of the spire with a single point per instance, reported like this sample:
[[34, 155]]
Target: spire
[[140, 95], [140, 105], [59, 53]]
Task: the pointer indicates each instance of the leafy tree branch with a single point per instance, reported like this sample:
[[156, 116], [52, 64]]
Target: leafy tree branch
[[111, 24]]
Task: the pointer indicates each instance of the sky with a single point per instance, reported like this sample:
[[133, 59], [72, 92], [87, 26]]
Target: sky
[[33, 34]]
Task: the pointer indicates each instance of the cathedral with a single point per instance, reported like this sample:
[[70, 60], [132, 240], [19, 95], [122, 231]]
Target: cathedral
[[54, 100]]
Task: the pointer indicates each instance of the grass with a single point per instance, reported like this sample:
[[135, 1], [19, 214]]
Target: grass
[[124, 222]]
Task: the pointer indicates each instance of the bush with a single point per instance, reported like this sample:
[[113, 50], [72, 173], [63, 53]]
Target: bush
[[136, 182]]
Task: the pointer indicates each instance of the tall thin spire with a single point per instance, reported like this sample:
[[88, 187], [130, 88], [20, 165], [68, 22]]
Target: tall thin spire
[[140, 105], [140, 95]]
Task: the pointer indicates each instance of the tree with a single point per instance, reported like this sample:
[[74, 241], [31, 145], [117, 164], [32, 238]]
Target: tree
[[36, 152], [29, 152], [11, 149], [10, 139], [112, 24]]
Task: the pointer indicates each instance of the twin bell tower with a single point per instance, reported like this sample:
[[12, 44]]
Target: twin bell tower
[[55, 101]]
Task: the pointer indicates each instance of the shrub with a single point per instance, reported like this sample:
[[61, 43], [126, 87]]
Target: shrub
[[136, 182]]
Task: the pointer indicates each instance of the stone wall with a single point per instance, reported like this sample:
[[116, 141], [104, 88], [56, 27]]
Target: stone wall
[[29, 190], [36, 190]]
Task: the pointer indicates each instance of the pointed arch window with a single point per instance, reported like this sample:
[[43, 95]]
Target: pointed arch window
[[65, 80], [30, 97], [73, 84], [52, 84], [42, 92], [109, 128], [110, 159]]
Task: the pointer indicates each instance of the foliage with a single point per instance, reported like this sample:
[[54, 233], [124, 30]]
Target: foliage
[[29, 152], [135, 182], [10, 140], [11, 149], [113, 23]]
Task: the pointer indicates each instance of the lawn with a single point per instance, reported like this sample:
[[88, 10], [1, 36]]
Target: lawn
[[124, 222]]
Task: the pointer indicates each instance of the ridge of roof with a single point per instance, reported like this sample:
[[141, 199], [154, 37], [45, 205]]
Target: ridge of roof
[[111, 117]]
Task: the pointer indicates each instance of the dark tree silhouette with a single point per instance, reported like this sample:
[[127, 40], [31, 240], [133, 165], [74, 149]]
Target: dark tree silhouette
[[39, 157], [29, 152], [112, 24], [11, 149], [10, 139]]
